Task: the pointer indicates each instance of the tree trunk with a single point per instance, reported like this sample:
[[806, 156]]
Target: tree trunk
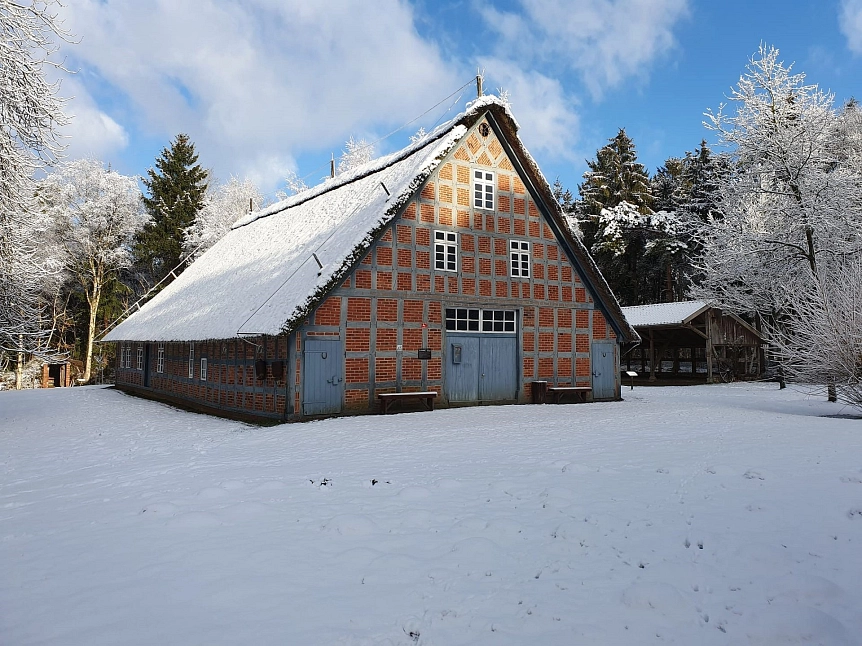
[[93, 300], [19, 367]]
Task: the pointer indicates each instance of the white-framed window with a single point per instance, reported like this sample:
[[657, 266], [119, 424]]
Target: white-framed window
[[140, 357], [203, 369], [519, 259], [191, 361], [483, 189], [445, 251], [467, 319], [160, 358], [126, 356]]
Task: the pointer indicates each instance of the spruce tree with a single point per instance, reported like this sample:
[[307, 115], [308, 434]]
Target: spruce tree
[[175, 194], [616, 202]]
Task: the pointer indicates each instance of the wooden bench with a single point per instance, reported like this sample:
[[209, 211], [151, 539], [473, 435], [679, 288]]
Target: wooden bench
[[387, 399], [558, 392]]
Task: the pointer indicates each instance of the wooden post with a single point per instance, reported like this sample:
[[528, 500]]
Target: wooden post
[[708, 347], [651, 356], [479, 85]]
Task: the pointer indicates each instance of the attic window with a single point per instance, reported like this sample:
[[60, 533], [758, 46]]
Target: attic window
[[484, 130], [445, 251], [519, 258], [483, 189]]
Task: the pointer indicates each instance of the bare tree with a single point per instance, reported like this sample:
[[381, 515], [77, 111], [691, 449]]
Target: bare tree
[[96, 214]]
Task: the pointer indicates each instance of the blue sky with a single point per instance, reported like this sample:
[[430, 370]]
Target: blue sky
[[268, 86]]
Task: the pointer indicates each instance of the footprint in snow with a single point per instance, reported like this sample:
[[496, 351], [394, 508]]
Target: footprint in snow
[[751, 474]]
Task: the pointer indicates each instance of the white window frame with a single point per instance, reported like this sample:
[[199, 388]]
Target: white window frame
[[519, 259], [160, 359], [191, 361], [203, 368], [446, 245], [140, 357], [477, 320], [484, 189]]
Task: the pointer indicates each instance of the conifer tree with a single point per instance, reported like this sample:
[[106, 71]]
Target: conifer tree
[[615, 207], [176, 189]]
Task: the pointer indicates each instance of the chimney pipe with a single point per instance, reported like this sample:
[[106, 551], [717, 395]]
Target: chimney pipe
[[332, 166], [479, 85]]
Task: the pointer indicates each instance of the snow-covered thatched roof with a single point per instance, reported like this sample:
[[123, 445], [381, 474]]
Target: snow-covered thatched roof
[[263, 278], [664, 313]]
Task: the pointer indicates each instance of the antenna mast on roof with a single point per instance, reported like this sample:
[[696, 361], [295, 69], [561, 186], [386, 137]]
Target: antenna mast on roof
[[478, 83], [332, 166], [250, 205]]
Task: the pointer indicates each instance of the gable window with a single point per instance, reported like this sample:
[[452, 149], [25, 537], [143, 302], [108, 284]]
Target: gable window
[[483, 189], [203, 369], [446, 251], [140, 357], [191, 361], [519, 259], [160, 358], [464, 319]]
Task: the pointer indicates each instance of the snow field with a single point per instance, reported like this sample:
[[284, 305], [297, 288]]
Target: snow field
[[704, 515]]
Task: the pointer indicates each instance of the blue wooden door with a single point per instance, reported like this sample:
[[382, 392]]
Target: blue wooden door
[[498, 369], [481, 368], [605, 369], [462, 368], [323, 377]]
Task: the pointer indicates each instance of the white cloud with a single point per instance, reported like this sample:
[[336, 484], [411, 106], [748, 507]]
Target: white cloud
[[91, 132], [548, 122], [257, 82], [850, 21], [604, 41]]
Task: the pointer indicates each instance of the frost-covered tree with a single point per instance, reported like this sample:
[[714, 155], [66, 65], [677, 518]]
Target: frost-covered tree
[[222, 207], [30, 115], [356, 152], [176, 189], [791, 201], [96, 214], [823, 341]]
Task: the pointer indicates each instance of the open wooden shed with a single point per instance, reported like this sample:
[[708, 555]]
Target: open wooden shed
[[692, 341]]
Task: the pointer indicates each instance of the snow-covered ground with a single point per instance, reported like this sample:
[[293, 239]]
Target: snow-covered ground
[[704, 515]]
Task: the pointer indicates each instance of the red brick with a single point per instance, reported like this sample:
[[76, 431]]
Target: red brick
[[405, 257], [553, 293], [363, 279], [567, 294], [501, 288], [445, 216], [520, 227], [404, 234], [464, 219], [411, 368], [467, 243], [405, 281], [485, 266], [410, 212], [489, 222], [582, 343], [546, 342], [564, 342], [384, 256], [423, 260], [423, 282], [428, 191], [546, 317], [582, 319], [484, 244], [446, 195], [435, 313], [504, 224], [553, 272], [423, 237], [435, 339], [567, 274], [564, 367], [504, 204], [546, 368], [358, 309], [600, 327], [529, 366], [434, 368], [520, 206], [501, 268], [452, 285], [539, 292], [426, 213], [329, 312], [564, 318], [412, 311], [384, 369], [468, 286], [384, 280], [356, 398], [356, 370], [580, 295], [582, 367], [439, 284], [468, 265], [538, 271], [358, 339], [387, 339], [412, 338], [529, 342], [485, 287], [534, 229]]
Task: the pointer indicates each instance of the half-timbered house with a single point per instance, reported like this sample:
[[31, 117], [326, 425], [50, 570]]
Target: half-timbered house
[[447, 267]]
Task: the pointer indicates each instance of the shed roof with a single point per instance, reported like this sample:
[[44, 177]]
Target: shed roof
[[664, 313], [262, 277]]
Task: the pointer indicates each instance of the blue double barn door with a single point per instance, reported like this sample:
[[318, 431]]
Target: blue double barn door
[[323, 377], [481, 368]]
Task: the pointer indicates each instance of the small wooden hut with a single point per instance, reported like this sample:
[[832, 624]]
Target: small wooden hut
[[692, 341]]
